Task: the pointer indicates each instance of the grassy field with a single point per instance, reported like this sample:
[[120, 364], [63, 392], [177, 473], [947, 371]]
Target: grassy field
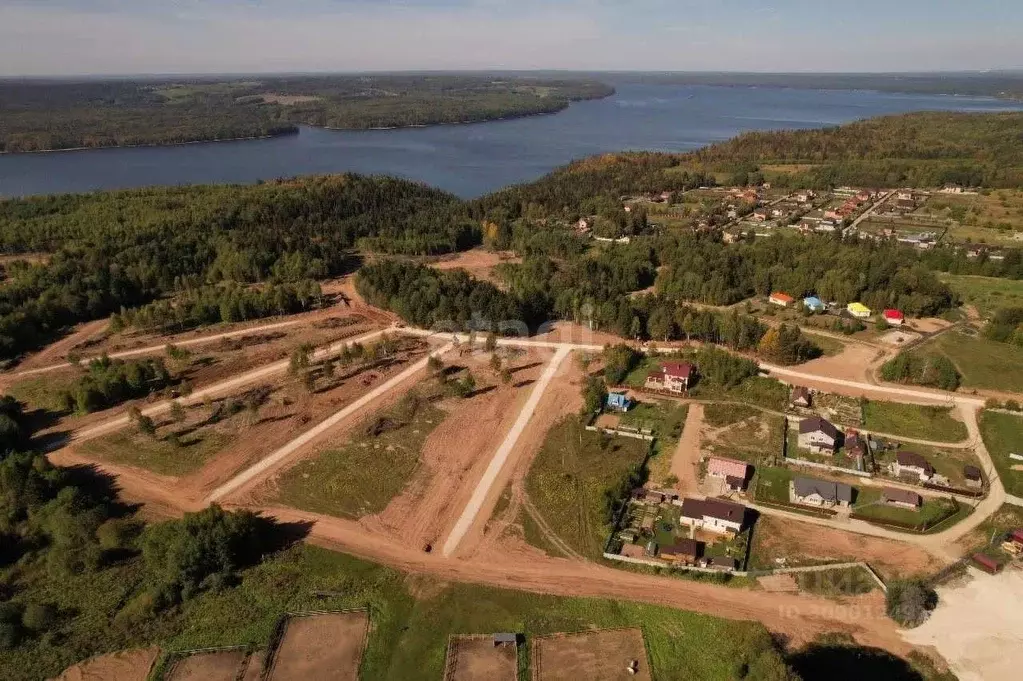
[[664, 417], [40, 392], [1003, 435], [990, 217], [719, 414], [363, 473], [987, 294], [752, 439], [868, 503], [913, 420], [409, 633], [836, 583], [570, 475], [983, 363], [159, 454]]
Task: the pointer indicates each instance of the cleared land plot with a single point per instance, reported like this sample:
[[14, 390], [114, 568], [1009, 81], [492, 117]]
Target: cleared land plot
[[987, 537], [478, 659], [1003, 435], [992, 217], [780, 542], [595, 656], [933, 510], [987, 294], [756, 437], [914, 421], [321, 646], [368, 467], [222, 665], [571, 475], [836, 583], [983, 363], [126, 665], [772, 485]]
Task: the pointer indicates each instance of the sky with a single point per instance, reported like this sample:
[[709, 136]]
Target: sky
[[79, 37]]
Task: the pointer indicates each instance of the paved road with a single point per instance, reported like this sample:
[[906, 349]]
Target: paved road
[[275, 458], [479, 495], [152, 349]]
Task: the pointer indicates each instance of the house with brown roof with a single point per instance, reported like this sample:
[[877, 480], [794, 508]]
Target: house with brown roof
[[686, 551], [911, 464], [674, 377], [800, 396], [713, 515], [903, 498], [974, 477], [818, 435]]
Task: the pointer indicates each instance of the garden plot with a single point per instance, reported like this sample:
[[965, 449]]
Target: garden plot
[[320, 646], [221, 665], [477, 658], [595, 656]]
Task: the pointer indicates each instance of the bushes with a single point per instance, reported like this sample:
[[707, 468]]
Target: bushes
[[908, 602], [109, 382], [619, 360], [14, 432], [936, 371]]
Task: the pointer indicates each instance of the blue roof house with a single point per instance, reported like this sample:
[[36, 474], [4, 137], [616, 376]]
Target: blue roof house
[[814, 304], [619, 400]]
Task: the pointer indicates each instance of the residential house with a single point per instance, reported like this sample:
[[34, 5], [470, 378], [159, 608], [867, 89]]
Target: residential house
[[713, 515], [685, 551], [760, 215], [903, 498], [734, 483], [780, 299], [894, 317], [974, 478], [804, 196], [674, 377], [720, 467], [800, 397], [619, 400], [911, 464], [858, 310], [818, 435], [857, 447], [819, 493], [826, 227], [814, 304]]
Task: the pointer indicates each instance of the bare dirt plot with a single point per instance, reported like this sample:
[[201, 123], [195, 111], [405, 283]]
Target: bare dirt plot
[[595, 656], [222, 665], [478, 262], [898, 338], [456, 453], [321, 646], [478, 659], [127, 665], [686, 461], [978, 626], [929, 324], [778, 583], [807, 544], [254, 666], [852, 364]]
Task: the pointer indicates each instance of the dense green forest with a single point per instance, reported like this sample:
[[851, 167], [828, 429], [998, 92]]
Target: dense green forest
[[123, 249], [43, 115]]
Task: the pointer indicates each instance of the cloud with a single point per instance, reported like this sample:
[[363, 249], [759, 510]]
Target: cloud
[[43, 37]]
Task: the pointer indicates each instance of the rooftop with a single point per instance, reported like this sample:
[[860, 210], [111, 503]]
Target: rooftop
[[815, 424], [713, 508], [826, 489]]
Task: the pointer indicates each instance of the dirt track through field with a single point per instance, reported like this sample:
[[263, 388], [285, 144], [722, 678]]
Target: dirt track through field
[[686, 461], [468, 516]]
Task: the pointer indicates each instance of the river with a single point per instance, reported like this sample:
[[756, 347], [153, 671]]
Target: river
[[470, 160]]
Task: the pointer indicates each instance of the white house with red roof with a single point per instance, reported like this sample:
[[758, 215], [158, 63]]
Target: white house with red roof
[[671, 376], [894, 317], [781, 299]]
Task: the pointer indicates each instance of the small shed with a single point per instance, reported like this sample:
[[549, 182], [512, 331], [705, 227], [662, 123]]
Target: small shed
[[974, 478], [505, 639], [619, 400], [986, 563]]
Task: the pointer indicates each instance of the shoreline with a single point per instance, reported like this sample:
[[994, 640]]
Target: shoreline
[[298, 127]]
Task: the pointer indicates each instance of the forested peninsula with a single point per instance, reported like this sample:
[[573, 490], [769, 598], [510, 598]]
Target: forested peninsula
[[45, 115]]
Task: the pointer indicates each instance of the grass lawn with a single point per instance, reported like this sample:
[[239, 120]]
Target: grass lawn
[[360, 475], [159, 455], [412, 618], [570, 475], [772, 484], [1003, 434], [836, 583], [983, 363], [913, 420], [664, 417], [987, 294], [751, 440], [759, 391], [719, 414], [40, 392], [868, 503], [828, 345]]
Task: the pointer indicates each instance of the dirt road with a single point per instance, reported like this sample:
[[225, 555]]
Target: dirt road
[[252, 473], [501, 455], [686, 461]]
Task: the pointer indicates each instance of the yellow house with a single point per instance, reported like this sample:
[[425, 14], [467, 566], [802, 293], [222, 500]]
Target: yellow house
[[858, 310]]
